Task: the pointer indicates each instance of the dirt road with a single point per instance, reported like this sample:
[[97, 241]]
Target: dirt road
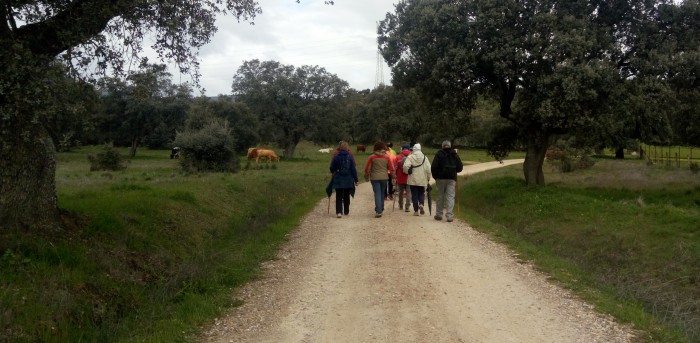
[[401, 278]]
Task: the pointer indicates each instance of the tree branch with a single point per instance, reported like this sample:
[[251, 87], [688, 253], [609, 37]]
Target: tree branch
[[82, 20], [6, 13]]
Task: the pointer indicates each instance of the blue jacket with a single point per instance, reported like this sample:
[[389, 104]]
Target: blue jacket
[[344, 170]]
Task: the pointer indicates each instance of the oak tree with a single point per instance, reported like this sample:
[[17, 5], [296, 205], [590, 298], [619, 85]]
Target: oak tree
[[36, 37], [290, 102], [556, 67]]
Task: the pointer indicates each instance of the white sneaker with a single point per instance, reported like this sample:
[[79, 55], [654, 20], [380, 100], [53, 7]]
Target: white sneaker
[[339, 215], [415, 213]]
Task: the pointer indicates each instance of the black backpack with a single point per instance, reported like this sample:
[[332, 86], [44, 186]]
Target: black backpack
[[449, 167]]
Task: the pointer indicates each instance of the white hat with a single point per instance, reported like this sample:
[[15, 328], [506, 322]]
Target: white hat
[[416, 146]]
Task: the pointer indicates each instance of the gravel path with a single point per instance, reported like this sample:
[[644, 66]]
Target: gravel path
[[402, 278]]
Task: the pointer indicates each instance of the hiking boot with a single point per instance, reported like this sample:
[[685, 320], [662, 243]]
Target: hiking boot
[[378, 215], [439, 218], [339, 215], [415, 213], [449, 220], [407, 210], [422, 211]]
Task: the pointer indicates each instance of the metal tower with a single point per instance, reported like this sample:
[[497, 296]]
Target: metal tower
[[379, 72]]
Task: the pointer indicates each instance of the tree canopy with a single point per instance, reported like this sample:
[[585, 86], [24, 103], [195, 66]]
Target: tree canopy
[[557, 67], [146, 106], [292, 103]]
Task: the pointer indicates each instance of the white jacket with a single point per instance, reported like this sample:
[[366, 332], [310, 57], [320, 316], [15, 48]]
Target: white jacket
[[421, 173]]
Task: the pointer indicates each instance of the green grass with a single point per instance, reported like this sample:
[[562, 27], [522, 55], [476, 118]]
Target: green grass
[[150, 254], [624, 235]]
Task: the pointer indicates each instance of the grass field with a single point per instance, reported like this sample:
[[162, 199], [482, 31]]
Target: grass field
[[624, 235], [151, 254]]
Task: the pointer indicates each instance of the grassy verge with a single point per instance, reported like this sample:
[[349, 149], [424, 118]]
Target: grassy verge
[[153, 254], [623, 235]]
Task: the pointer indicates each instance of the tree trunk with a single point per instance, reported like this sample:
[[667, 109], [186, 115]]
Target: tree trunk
[[537, 144], [134, 146], [289, 150], [27, 182], [620, 153]]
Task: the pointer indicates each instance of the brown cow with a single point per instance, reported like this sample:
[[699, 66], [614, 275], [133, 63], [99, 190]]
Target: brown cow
[[265, 153], [360, 147], [252, 153]]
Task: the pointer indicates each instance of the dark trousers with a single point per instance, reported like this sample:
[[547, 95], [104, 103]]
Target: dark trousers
[[390, 187], [417, 196], [342, 200]]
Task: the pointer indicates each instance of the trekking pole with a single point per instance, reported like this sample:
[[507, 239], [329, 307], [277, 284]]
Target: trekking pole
[[457, 193]]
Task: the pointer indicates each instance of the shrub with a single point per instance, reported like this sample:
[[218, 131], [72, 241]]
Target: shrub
[[66, 142], [567, 158], [108, 159], [209, 148], [694, 167]]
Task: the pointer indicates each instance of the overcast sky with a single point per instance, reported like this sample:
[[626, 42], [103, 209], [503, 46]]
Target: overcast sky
[[341, 38]]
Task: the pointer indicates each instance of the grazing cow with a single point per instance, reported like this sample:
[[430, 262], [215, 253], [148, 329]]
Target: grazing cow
[[252, 153], [265, 153], [325, 150], [360, 147]]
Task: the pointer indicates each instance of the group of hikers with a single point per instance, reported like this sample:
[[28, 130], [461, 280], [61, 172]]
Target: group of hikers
[[407, 173]]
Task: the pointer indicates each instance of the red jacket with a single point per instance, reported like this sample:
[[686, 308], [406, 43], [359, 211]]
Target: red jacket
[[401, 177]]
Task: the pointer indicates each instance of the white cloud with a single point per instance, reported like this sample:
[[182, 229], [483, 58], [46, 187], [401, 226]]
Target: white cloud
[[341, 38]]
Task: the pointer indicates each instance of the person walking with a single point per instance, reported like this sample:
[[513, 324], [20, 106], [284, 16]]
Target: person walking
[[402, 179], [389, 195], [446, 165], [417, 167], [338, 149], [377, 170], [344, 178]]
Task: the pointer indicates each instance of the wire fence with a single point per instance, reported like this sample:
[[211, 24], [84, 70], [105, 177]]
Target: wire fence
[[671, 156]]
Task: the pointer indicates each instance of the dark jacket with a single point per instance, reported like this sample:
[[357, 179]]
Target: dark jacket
[[344, 170], [446, 164]]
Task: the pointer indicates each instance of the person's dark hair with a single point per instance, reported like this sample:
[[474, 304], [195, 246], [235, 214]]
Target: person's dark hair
[[379, 146], [390, 145]]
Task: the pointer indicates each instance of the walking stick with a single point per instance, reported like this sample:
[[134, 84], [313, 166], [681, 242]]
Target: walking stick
[[457, 193]]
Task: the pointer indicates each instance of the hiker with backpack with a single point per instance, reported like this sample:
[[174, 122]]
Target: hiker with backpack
[[417, 167], [344, 179], [402, 179], [446, 165]]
